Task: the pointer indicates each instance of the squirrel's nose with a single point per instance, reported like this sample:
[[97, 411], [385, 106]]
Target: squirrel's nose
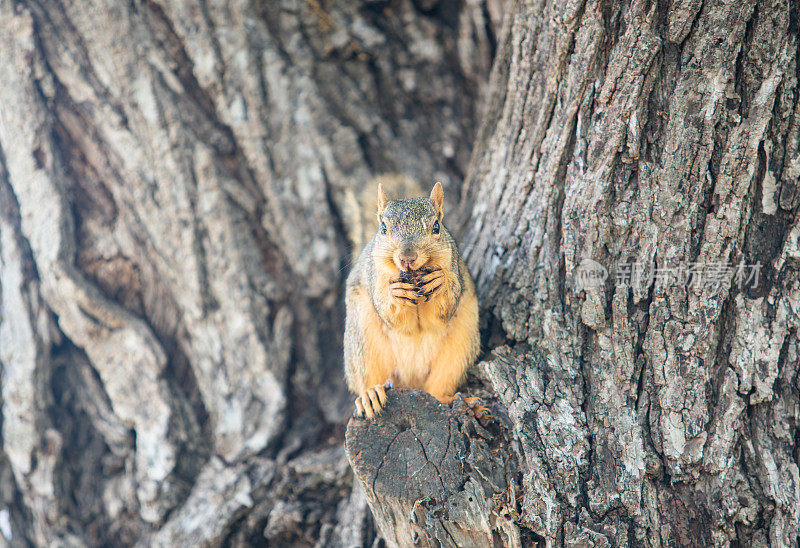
[[407, 258]]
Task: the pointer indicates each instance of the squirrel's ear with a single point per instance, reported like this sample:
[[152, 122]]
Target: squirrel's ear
[[381, 200], [437, 197]]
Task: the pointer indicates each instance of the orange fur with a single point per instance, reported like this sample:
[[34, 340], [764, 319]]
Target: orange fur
[[448, 369], [393, 333], [378, 361], [420, 349]]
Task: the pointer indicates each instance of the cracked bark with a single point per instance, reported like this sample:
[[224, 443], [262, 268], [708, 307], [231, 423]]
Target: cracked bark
[[178, 181], [433, 476], [663, 135], [649, 410]]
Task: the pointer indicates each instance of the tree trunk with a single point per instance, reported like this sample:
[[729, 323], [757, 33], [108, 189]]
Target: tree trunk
[[650, 141], [433, 476], [178, 181], [631, 218]]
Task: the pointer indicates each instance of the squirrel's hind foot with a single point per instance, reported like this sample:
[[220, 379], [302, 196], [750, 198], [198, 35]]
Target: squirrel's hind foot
[[370, 402], [475, 406]]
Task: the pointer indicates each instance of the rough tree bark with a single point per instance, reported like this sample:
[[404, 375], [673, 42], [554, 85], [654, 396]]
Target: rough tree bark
[[657, 143], [433, 476], [176, 183], [666, 135]]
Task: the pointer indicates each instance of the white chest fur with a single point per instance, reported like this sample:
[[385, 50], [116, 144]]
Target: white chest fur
[[414, 354]]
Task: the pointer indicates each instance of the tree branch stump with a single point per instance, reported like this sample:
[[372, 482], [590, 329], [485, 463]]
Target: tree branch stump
[[432, 475]]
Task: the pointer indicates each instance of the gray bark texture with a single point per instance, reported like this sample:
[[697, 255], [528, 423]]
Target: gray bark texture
[[651, 410], [176, 181], [433, 476], [179, 189]]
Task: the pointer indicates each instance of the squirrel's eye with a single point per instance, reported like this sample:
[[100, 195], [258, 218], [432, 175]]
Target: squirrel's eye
[[435, 227], [383, 228]]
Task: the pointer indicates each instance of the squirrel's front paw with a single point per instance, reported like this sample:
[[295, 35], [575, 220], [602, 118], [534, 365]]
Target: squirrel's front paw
[[430, 283], [371, 402], [404, 293]]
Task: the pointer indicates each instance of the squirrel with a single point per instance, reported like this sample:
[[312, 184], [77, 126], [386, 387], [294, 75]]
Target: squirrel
[[411, 307]]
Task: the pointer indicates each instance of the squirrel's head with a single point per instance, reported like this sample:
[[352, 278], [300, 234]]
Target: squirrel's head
[[410, 231]]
